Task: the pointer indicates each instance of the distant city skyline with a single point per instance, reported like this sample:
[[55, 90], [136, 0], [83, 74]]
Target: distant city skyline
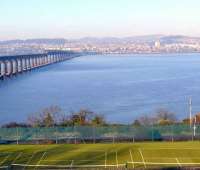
[[22, 19]]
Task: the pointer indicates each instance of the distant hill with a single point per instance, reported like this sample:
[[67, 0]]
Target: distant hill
[[32, 41], [179, 39], [105, 40]]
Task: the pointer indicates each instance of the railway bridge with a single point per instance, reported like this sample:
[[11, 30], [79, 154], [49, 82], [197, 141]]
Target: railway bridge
[[12, 65]]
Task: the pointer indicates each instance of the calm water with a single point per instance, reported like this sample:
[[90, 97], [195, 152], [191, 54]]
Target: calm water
[[120, 87]]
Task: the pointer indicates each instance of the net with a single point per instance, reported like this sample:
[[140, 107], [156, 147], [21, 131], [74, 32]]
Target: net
[[83, 134]]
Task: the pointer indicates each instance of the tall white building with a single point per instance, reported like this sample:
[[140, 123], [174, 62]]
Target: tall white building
[[157, 44]]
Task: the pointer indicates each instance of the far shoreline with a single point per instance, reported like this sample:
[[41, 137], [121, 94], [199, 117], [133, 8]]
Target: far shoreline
[[147, 53]]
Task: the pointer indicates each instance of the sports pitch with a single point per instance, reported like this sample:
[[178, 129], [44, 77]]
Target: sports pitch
[[124, 155]]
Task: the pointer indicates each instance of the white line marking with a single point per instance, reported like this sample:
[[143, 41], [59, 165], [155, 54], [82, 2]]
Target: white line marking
[[3, 167], [17, 157], [179, 164], [142, 157], [166, 163], [105, 159], [131, 158], [82, 151], [172, 158], [41, 158], [72, 163], [116, 159], [4, 160], [67, 166], [29, 160], [38, 163], [58, 160], [170, 148]]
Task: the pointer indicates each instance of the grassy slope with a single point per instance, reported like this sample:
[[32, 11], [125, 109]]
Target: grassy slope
[[92, 154]]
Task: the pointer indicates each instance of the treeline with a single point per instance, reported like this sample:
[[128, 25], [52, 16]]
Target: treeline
[[53, 116]]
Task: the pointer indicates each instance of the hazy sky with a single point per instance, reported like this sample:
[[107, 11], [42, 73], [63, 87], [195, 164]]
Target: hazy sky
[[79, 18]]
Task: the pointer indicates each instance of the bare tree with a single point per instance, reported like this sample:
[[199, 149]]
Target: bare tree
[[82, 117], [146, 120], [47, 117], [98, 120], [164, 116]]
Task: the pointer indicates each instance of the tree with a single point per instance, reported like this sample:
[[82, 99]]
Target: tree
[[83, 117], [146, 120], [186, 121], [52, 112], [98, 120], [48, 120], [164, 117], [47, 117], [197, 119], [35, 120], [136, 123], [14, 125], [65, 120]]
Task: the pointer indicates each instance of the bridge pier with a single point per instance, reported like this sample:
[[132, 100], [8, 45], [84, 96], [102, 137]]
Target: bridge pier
[[34, 62], [19, 65], [27, 64], [23, 64], [8, 68], [2, 69], [13, 65]]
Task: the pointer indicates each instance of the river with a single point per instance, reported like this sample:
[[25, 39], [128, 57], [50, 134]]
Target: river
[[121, 87]]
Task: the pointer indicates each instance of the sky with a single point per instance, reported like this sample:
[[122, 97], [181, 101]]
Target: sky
[[23, 19]]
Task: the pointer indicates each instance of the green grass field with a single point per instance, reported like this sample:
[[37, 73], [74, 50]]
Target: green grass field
[[131, 155]]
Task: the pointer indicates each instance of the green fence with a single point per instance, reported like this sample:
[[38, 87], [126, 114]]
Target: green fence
[[100, 134]]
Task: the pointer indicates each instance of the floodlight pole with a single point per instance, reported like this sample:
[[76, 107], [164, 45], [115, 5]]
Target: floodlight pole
[[190, 111], [194, 127]]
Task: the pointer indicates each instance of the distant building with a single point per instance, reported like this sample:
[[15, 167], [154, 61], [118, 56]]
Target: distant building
[[157, 44]]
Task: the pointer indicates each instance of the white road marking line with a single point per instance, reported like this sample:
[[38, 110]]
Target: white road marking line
[[179, 164], [116, 159], [105, 159], [4, 160], [142, 157], [17, 157], [132, 158]]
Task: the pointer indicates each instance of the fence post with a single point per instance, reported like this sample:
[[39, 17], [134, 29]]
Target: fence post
[[56, 135], [94, 134], [192, 133], [114, 131], [152, 133], [133, 138], [113, 139], [75, 134], [37, 136], [132, 130], [172, 131], [17, 136]]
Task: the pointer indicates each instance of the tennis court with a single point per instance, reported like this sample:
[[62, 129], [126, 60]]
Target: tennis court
[[126, 155]]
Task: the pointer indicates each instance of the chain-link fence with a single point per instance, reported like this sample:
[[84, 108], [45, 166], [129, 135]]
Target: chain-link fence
[[93, 134]]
